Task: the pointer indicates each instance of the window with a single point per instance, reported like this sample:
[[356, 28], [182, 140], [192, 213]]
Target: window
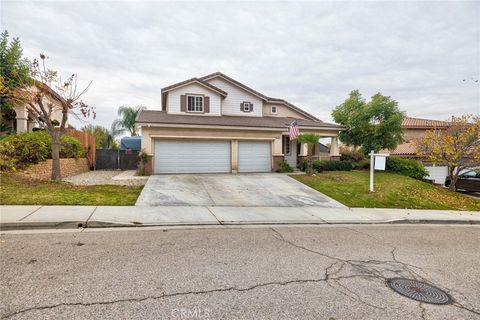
[[470, 174], [247, 106], [274, 109], [194, 103], [286, 145]]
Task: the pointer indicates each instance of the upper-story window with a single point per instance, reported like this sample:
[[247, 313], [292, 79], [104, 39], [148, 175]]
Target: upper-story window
[[194, 103], [273, 109], [247, 106]]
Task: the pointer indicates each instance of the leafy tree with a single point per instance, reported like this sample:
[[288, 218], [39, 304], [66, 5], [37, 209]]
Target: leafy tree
[[372, 125], [14, 73], [127, 119], [14, 70], [310, 139], [42, 101], [458, 146], [104, 138]]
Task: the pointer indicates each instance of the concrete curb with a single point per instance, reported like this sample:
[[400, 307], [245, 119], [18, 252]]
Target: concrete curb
[[109, 224]]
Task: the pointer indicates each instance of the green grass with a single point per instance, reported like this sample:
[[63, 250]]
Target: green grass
[[391, 191], [15, 190]]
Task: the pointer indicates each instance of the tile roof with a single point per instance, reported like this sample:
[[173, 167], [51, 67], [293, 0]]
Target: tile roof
[[406, 148], [423, 123], [162, 117]]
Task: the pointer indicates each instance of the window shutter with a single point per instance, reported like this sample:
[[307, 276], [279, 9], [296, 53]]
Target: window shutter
[[206, 104], [251, 107], [183, 103], [241, 106]]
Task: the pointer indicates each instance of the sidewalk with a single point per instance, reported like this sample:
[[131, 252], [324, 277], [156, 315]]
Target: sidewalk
[[28, 217]]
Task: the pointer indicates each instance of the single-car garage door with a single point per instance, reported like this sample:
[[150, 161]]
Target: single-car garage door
[[192, 156], [254, 156]]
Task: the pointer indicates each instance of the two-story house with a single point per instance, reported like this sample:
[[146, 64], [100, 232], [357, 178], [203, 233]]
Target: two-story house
[[215, 124]]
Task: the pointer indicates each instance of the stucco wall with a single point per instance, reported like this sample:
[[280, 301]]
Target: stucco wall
[[282, 111], [410, 134], [236, 95], [173, 99], [68, 167]]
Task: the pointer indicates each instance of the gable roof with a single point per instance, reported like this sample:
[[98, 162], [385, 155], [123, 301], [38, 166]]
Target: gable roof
[[198, 81], [258, 94], [418, 123], [164, 118]]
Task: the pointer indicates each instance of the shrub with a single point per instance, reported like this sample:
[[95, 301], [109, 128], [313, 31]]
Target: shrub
[[351, 155], [329, 165], [27, 148], [284, 167], [71, 148], [6, 162], [364, 164], [18, 150], [302, 165], [408, 167]]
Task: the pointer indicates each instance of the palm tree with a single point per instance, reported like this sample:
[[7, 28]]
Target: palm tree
[[104, 138], [127, 119], [310, 139]]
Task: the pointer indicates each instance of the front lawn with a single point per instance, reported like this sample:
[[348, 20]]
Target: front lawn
[[15, 190], [391, 191]]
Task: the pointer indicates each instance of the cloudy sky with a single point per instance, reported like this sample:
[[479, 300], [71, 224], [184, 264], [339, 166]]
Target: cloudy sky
[[425, 55]]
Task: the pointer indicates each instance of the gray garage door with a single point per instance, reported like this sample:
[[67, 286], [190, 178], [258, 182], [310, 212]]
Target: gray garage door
[[192, 156], [254, 156]]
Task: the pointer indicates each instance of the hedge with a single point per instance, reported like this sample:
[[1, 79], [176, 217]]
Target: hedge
[[407, 167], [19, 150]]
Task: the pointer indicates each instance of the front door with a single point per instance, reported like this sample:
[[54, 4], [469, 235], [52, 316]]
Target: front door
[[289, 151]]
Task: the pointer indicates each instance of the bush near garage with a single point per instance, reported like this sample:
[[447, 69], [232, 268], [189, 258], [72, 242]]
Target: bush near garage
[[284, 167], [20, 150], [407, 167]]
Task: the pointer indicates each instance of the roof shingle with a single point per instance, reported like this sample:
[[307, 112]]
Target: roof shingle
[[162, 117]]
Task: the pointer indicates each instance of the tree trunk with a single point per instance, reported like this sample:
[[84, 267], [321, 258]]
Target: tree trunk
[[309, 165], [56, 174], [453, 178]]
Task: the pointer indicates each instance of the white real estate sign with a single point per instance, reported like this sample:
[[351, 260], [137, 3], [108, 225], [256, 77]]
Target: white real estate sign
[[377, 162], [380, 162]]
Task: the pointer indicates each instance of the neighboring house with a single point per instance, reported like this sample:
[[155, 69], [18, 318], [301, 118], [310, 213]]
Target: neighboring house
[[216, 124], [19, 119], [415, 128]]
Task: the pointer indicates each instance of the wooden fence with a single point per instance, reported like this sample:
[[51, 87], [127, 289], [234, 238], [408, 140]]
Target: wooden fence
[[88, 142]]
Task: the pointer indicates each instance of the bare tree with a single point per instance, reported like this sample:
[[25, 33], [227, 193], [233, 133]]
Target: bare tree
[[43, 102]]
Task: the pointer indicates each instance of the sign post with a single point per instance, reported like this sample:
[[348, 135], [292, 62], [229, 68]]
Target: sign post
[[377, 162]]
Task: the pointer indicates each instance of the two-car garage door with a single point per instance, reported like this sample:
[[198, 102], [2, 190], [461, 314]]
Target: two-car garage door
[[210, 156], [192, 156]]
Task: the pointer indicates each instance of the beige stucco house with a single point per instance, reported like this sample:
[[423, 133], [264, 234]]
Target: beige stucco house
[[19, 118], [215, 124]]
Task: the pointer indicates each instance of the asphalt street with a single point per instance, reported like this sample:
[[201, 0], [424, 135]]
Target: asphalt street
[[279, 272]]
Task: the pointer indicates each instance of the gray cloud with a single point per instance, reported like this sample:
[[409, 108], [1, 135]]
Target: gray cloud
[[311, 53]]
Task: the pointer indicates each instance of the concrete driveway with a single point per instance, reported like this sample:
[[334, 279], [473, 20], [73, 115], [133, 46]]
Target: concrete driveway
[[242, 190]]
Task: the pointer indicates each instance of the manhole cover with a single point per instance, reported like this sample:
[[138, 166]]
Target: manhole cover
[[419, 291]]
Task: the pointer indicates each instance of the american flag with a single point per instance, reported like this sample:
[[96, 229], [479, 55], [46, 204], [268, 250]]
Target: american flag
[[293, 130]]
